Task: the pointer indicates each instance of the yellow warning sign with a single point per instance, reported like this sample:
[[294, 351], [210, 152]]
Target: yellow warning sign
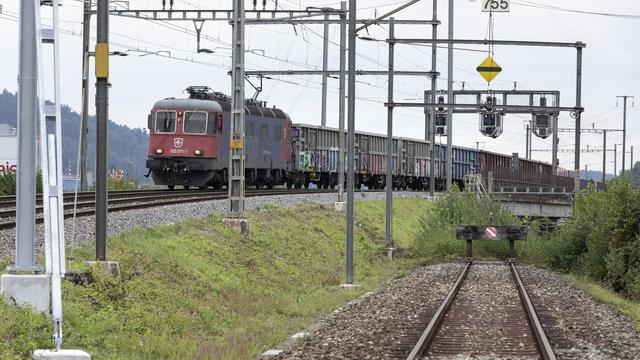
[[489, 69], [236, 144]]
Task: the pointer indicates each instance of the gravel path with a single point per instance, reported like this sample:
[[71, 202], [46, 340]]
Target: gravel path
[[126, 220], [578, 326]]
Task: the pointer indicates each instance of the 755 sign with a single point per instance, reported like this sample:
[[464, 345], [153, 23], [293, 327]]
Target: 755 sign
[[495, 5]]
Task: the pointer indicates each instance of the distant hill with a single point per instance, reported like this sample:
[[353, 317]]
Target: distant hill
[[595, 175], [126, 145]]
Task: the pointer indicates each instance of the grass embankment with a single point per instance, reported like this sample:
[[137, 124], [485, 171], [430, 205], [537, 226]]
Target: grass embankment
[[609, 297], [199, 290]]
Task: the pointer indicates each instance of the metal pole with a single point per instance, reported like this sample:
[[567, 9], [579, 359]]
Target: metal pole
[[578, 116], [325, 63], [236, 128], [604, 155], [450, 98], [84, 126], [631, 167], [624, 134], [530, 154], [526, 151], [102, 116], [341, 91], [554, 146], [389, 176], [615, 160], [27, 120], [432, 118], [351, 136]]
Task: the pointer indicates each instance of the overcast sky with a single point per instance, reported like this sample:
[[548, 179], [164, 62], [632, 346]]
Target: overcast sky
[[610, 65]]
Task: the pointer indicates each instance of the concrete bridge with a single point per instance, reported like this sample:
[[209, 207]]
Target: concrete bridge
[[551, 205]]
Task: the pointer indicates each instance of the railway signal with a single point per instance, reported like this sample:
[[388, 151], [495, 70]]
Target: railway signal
[[542, 121], [490, 119], [441, 118]]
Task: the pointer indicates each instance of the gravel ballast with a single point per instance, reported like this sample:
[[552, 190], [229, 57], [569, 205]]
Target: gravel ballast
[[577, 325], [126, 220], [378, 325]]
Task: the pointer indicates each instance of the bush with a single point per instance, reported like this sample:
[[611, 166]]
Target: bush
[[437, 239], [122, 184], [8, 183], [602, 239]]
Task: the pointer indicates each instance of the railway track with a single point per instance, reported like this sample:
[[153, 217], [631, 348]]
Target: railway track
[[131, 200], [488, 314], [9, 201]]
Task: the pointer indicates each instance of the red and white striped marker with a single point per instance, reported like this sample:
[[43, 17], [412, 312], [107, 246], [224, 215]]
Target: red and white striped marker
[[491, 232]]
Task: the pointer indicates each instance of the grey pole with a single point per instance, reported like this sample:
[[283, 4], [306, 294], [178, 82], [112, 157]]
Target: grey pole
[[604, 155], [325, 64], [631, 167], [554, 145], [530, 154], [615, 160], [102, 116], [526, 151], [84, 128], [351, 136], [578, 116], [389, 176], [236, 216], [624, 131], [341, 108], [27, 120], [624, 136], [432, 118], [450, 98]]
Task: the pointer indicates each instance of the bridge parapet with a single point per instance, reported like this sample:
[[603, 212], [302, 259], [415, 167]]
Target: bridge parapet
[[541, 204]]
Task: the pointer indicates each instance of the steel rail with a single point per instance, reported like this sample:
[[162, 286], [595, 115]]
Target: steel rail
[[173, 201], [433, 326], [70, 195], [118, 200], [534, 321]]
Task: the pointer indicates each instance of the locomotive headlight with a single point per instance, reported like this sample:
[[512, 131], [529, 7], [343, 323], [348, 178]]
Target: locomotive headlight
[[198, 152], [159, 151]]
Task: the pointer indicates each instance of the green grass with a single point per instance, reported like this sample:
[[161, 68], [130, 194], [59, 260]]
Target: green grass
[[199, 290], [609, 297]]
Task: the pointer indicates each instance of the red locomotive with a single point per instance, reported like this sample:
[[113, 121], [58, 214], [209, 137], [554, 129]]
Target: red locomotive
[[189, 141]]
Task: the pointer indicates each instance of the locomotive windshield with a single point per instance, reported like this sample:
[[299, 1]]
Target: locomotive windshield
[[195, 122], [165, 121]]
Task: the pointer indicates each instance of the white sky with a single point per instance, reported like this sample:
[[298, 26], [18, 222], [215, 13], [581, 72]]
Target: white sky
[[610, 65]]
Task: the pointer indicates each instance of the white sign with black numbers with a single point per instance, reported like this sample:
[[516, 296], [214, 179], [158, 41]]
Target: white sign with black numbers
[[495, 5]]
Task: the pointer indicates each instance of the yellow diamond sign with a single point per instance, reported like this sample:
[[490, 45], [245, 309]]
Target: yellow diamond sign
[[489, 69]]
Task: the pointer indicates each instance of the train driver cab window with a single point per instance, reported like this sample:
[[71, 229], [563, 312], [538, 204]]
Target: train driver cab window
[[277, 135], [165, 121], [195, 122], [264, 132]]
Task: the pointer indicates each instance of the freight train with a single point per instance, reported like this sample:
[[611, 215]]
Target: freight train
[[189, 147]]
